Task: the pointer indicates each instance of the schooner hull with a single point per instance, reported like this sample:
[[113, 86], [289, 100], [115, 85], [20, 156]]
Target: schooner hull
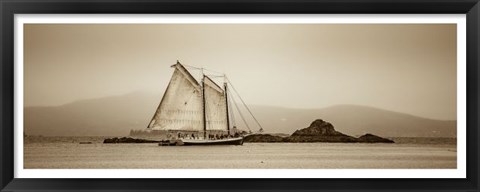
[[232, 141]]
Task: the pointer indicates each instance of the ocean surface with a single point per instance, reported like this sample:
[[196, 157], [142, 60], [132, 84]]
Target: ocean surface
[[68, 153]]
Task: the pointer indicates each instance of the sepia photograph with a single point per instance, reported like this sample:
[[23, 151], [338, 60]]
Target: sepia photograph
[[240, 96]]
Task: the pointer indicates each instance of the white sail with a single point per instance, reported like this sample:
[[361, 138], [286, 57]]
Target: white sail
[[181, 107], [215, 106]]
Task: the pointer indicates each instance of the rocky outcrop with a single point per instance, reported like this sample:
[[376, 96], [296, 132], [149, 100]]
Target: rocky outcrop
[[316, 128], [318, 131], [262, 138], [127, 140]]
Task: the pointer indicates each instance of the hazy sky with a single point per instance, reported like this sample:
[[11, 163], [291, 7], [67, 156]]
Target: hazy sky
[[404, 68]]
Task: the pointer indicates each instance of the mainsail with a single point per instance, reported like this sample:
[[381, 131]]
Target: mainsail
[[215, 106], [181, 107]]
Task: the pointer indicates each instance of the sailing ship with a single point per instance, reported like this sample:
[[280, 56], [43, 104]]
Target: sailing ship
[[195, 113]]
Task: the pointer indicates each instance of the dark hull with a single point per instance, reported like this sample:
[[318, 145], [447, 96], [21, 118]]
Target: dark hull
[[233, 141]]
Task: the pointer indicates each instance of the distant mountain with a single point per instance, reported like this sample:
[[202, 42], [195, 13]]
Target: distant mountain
[[116, 116], [109, 116]]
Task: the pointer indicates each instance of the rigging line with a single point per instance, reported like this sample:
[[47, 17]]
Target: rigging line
[[189, 66], [201, 68], [215, 76], [248, 109], [241, 115], [214, 71]]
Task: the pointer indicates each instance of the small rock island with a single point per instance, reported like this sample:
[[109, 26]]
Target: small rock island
[[318, 131], [127, 140]]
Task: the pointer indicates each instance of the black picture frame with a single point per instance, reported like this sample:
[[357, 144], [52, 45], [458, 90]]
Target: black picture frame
[[10, 7]]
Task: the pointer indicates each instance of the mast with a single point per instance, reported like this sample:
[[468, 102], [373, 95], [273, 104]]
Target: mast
[[226, 103], [204, 109]]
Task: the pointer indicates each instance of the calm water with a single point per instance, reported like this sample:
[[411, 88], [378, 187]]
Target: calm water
[[66, 152]]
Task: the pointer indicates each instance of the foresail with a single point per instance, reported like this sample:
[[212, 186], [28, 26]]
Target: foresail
[[215, 106], [181, 107]]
